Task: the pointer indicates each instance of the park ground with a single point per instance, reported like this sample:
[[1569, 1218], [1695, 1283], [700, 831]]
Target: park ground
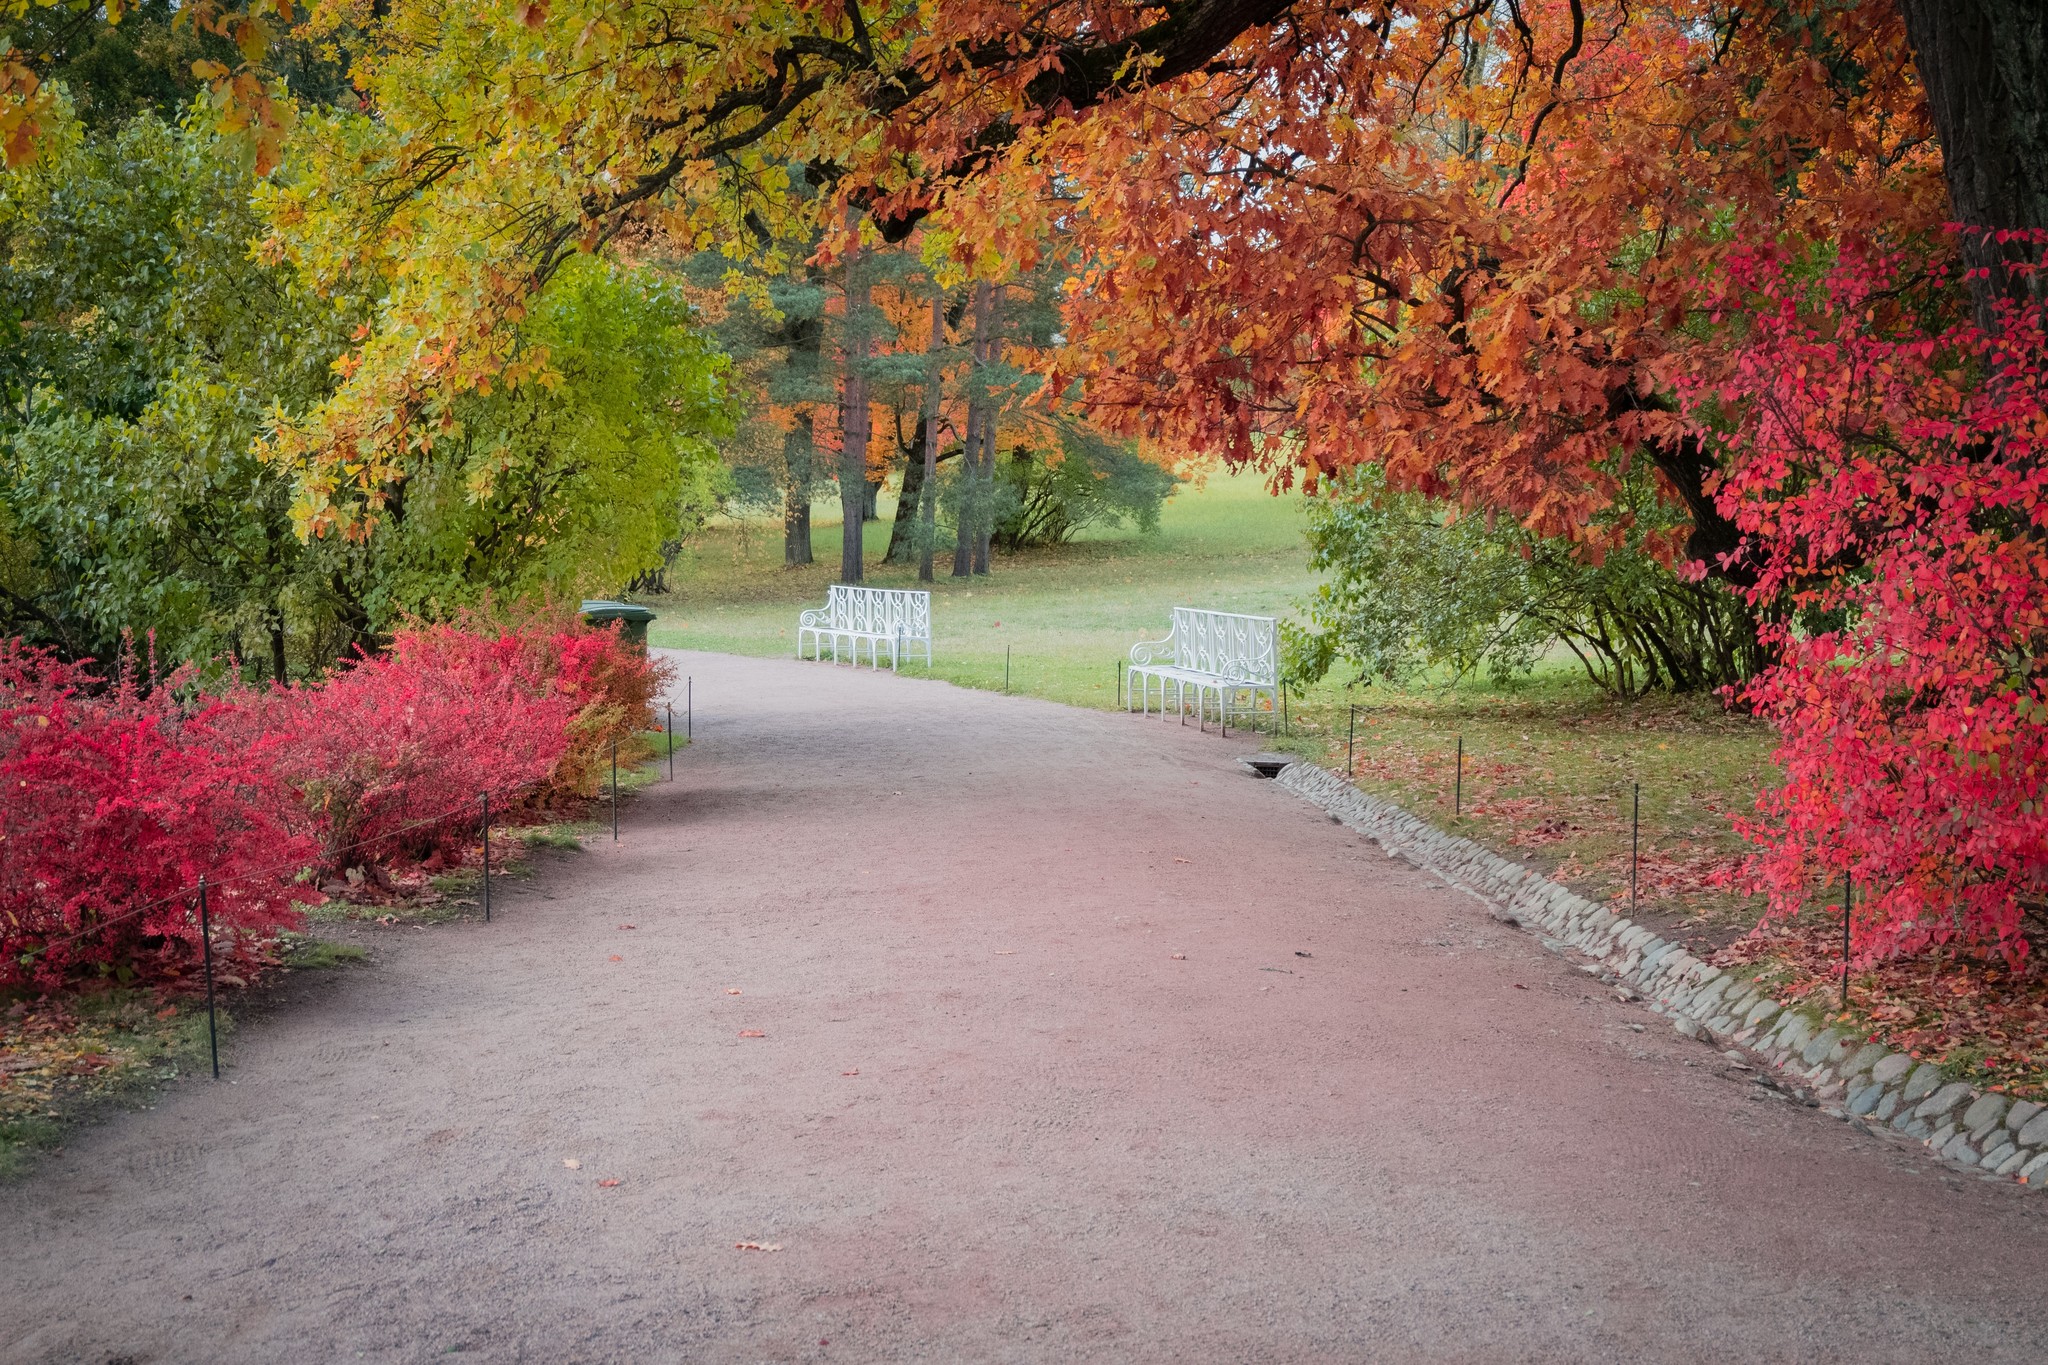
[[1550, 773], [913, 1022], [1555, 775]]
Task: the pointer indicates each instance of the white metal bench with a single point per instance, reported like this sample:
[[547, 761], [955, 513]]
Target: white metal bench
[[1234, 657], [882, 617]]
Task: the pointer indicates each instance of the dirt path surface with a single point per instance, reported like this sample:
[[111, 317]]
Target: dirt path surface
[[1154, 1063]]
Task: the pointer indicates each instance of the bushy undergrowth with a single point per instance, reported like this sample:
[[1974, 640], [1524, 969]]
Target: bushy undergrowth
[[113, 802], [115, 797]]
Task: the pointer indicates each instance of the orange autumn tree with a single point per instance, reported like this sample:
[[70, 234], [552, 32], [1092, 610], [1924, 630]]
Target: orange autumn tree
[[1478, 246]]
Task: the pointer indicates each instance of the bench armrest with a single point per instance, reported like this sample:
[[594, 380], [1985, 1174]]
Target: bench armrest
[[819, 616], [1146, 651]]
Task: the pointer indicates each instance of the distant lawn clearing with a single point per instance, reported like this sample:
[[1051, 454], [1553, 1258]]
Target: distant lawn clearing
[[1065, 615]]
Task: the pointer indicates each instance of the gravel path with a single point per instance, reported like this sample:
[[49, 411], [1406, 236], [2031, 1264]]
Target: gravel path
[[1078, 1045]]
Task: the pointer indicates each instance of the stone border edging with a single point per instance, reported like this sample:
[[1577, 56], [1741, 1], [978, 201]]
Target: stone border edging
[[1870, 1085]]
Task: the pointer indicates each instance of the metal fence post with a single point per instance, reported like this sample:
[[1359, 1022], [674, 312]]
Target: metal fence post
[[670, 735], [206, 941], [487, 857], [689, 705], [1635, 825], [1848, 899]]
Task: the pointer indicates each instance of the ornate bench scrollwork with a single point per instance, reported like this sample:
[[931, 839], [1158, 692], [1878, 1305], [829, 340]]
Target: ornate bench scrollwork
[[891, 618]]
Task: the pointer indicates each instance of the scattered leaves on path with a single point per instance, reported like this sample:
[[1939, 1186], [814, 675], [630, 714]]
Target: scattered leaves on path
[[757, 1246], [629, 926], [1180, 957], [617, 958], [609, 1184], [572, 1163], [752, 1033], [732, 990], [854, 1072]]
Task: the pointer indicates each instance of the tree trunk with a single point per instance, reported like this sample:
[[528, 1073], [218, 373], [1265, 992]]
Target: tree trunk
[[903, 530], [1984, 64], [853, 414], [970, 545], [797, 452], [279, 672], [928, 485]]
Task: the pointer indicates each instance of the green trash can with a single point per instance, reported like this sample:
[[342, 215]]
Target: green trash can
[[634, 619]]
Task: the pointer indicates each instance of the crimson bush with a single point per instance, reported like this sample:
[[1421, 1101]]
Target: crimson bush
[[112, 804], [114, 799]]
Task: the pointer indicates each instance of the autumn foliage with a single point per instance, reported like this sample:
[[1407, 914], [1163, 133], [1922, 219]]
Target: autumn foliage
[[115, 797], [115, 801], [1885, 461]]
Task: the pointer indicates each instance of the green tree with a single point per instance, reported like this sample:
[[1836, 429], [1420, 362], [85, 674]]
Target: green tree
[[150, 343], [579, 485]]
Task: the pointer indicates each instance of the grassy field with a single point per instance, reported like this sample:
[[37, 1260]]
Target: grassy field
[[1064, 616]]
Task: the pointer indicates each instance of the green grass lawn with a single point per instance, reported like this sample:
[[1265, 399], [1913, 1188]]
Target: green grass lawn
[[1065, 616]]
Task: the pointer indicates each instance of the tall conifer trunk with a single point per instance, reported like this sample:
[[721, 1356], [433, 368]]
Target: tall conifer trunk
[[970, 545], [853, 413], [928, 486], [797, 453]]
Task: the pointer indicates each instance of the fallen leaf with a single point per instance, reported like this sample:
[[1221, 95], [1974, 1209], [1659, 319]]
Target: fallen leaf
[[1520, 987], [1183, 860], [572, 1163], [609, 1184], [617, 958], [1299, 953], [752, 1033], [167, 1011], [1180, 957], [756, 1246], [629, 926], [732, 990], [1006, 952], [854, 1072]]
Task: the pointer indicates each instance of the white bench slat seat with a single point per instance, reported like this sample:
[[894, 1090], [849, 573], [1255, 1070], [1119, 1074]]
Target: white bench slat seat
[[892, 618], [1234, 657]]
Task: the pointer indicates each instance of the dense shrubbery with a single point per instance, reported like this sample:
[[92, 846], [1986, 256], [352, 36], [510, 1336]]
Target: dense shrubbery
[[1043, 496], [1416, 584], [115, 795], [112, 799], [1887, 456]]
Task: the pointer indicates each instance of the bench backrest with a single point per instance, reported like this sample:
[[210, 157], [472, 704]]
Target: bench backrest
[[1222, 642], [880, 611]]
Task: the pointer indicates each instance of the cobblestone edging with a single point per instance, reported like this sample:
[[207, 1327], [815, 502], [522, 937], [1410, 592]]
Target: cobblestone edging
[[1869, 1085]]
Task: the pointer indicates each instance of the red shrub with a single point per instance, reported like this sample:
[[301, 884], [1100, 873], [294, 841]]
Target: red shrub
[[1891, 471], [391, 756], [610, 685], [111, 802]]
